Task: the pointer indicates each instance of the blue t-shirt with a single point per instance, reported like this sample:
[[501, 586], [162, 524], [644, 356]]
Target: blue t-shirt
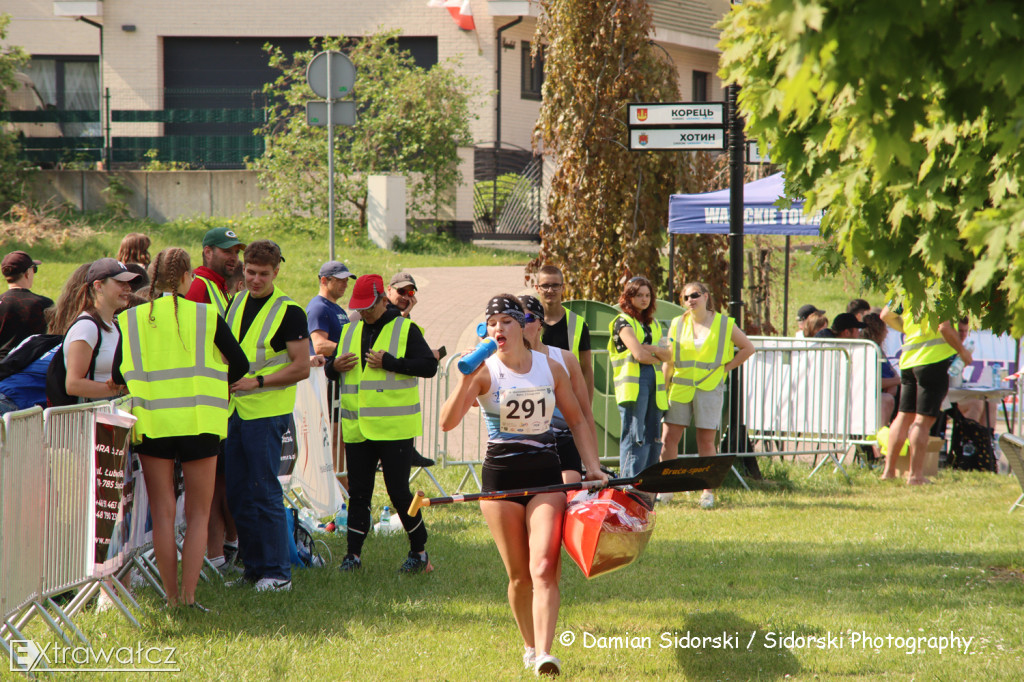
[[326, 316]]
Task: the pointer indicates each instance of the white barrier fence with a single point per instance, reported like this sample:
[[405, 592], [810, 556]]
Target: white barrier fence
[[800, 397]]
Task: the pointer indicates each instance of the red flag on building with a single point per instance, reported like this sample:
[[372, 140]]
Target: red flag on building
[[461, 11]]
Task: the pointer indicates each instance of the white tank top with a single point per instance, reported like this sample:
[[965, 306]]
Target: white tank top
[[518, 408], [558, 423]]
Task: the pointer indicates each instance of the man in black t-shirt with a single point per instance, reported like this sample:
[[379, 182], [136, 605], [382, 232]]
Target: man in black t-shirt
[[21, 311], [562, 328], [272, 330]]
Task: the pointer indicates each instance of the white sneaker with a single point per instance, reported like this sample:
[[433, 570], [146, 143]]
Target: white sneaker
[[707, 500], [529, 657], [547, 664], [273, 585]]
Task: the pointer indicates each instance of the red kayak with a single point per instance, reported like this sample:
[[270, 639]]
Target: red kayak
[[607, 529]]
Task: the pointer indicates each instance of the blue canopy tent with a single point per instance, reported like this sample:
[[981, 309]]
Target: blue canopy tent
[[708, 213]]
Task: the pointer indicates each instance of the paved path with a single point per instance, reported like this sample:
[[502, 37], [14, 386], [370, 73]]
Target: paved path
[[451, 301]]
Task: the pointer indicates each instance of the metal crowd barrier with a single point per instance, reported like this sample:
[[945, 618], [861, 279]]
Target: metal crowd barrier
[[45, 472], [801, 397]]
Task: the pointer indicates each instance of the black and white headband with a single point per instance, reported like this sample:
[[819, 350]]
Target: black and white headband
[[506, 305]]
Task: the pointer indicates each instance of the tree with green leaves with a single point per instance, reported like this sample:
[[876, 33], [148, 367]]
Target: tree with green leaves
[[607, 207], [12, 167], [902, 120], [411, 122]]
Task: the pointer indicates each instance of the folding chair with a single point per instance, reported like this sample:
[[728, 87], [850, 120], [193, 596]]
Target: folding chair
[[1012, 448]]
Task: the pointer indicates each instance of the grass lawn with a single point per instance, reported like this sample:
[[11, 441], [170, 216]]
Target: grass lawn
[[303, 243], [806, 558]]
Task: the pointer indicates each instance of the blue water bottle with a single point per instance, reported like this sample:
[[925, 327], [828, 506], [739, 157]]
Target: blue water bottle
[[484, 350], [341, 519]]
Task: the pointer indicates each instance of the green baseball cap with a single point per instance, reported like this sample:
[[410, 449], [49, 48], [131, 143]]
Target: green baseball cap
[[222, 238]]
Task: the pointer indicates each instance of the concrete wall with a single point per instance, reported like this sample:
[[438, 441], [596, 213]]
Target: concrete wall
[[158, 195]]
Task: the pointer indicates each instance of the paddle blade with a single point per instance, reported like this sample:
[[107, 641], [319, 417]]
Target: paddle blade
[[684, 473]]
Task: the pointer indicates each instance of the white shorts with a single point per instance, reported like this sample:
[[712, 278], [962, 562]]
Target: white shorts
[[705, 409]]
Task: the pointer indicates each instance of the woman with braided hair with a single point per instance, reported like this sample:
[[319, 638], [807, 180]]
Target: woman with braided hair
[[518, 389], [172, 357]]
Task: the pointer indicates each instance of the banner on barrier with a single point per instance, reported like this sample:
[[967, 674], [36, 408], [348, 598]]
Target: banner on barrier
[[314, 467], [288, 452], [112, 491]]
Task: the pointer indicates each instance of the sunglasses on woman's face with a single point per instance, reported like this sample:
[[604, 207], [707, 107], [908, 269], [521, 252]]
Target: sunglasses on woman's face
[[695, 295]]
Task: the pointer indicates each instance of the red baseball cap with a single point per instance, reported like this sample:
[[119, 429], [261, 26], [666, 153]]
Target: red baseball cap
[[366, 291]]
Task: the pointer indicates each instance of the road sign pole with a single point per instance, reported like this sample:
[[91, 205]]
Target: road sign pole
[[330, 159]]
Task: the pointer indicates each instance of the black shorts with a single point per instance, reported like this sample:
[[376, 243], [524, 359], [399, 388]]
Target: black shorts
[[568, 455], [529, 470], [181, 448], [923, 388]]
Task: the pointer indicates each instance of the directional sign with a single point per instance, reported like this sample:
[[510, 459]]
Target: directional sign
[[342, 72], [754, 154], [678, 113], [685, 139], [344, 113]]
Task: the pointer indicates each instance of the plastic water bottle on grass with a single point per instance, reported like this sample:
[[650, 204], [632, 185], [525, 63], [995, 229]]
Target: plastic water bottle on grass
[[341, 519]]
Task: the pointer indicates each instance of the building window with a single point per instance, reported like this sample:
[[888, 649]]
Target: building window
[[68, 83], [532, 73], [700, 86]]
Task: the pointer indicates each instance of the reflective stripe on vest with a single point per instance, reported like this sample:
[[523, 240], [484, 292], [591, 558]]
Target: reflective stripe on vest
[[269, 401], [217, 297], [627, 370], [175, 374], [699, 372], [574, 325], [922, 344], [377, 404]]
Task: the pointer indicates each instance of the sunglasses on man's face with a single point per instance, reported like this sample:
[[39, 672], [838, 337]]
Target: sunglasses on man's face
[[408, 291], [695, 295]]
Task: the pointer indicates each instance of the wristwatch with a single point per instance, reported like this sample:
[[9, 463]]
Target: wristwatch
[[259, 380]]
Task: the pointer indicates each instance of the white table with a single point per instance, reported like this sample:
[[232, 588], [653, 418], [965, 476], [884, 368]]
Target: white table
[[986, 393]]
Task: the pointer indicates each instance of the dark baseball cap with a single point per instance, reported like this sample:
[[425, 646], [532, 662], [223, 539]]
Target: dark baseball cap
[[336, 269], [222, 238], [846, 321], [106, 268], [806, 311], [401, 280], [366, 291], [17, 262]]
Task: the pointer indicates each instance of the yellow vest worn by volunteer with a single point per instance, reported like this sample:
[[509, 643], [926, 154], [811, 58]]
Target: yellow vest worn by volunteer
[[627, 370], [269, 401], [217, 297], [174, 372], [375, 404], [922, 344], [574, 325], [702, 368]]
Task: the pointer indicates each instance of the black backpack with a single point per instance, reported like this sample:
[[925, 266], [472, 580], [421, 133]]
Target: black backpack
[[57, 373], [971, 445]]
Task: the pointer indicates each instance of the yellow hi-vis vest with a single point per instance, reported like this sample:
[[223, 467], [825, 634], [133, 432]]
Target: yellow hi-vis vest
[[693, 368], [178, 381], [922, 344], [217, 297], [375, 404], [574, 326], [269, 401], [627, 370]]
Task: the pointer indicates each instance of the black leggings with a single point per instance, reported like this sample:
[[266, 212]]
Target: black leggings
[[394, 458]]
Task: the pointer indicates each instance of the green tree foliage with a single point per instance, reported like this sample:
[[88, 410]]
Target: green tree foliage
[[411, 122], [608, 206], [12, 168], [903, 121]]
